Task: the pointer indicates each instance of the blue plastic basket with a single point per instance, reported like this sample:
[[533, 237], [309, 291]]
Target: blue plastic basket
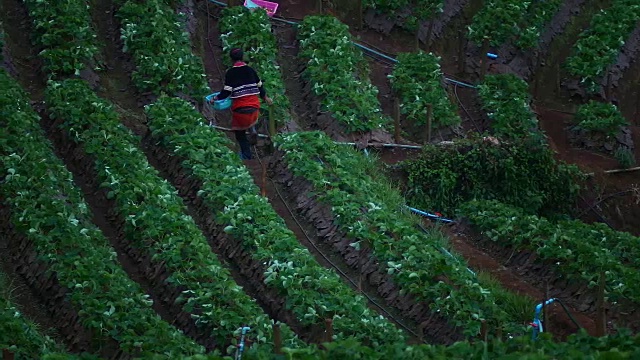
[[219, 105]]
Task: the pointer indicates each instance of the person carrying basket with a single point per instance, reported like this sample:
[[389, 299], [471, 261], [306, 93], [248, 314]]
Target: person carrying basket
[[243, 85]]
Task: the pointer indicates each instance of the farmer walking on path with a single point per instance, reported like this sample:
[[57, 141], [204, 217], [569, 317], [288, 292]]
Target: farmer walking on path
[[243, 85]]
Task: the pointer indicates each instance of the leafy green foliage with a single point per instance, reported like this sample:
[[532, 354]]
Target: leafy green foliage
[[154, 216], [63, 29], [50, 212], [579, 251], [516, 173], [600, 117], [339, 74], [502, 20], [626, 158], [19, 335], [251, 31], [369, 210], [312, 292], [418, 80], [420, 10], [154, 35], [506, 99], [620, 346], [599, 45]]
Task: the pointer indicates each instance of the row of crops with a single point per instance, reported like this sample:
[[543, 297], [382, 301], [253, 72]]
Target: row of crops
[[155, 219], [49, 212]]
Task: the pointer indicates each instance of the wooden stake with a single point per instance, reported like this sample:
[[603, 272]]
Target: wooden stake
[[277, 339], [601, 322], [483, 330], [264, 179], [319, 5], [484, 62], [429, 121], [427, 40], [418, 37], [272, 122], [536, 83], [545, 312], [7, 355], [558, 79], [461, 52], [396, 120], [360, 15], [609, 87], [499, 332], [328, 323]]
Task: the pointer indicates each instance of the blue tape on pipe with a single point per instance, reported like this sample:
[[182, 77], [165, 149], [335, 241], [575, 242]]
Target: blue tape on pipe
[[429, 215]]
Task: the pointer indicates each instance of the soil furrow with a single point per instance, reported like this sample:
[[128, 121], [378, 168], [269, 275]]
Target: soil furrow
[[560, 325], [45, 287], [23, 55], [138, 264], [553, 81], [246, 271], [115, 77], [361, 264], [118, 69], [626, 77], [35, 291], [279, 198], [286, 37], [576, 294], [524, 62]]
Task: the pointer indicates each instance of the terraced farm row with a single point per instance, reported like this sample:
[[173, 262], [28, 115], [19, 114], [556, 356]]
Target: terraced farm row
[[160, 244]]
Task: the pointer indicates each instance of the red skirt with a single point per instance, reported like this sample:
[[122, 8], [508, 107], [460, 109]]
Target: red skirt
[[243, 121]]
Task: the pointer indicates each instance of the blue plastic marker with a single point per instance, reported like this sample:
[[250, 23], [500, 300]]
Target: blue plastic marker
[[492, 56]]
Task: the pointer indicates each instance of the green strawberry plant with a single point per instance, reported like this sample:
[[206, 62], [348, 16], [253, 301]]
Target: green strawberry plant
[[251, 31], [500, 21], [21, 336], [506, 99], [579, 251], [419, 10], [418, 81], [600, 117], [598, 46], [622, 345], [339, 74], [369, 210], [155, 216], [311, 291], [155, 36], [50, 212], [63, 29]]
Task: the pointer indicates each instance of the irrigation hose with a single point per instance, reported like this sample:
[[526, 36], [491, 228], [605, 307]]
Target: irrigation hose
[[569, 313], [342, 273], [209, 38], [455, 90], [601, 201], [367, 49]]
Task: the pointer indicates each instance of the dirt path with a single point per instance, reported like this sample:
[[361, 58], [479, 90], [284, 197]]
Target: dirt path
[[26, 66], [551, 76], [23, 55], [135, 263], [304, 113], [279, 198], [560, 325]]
